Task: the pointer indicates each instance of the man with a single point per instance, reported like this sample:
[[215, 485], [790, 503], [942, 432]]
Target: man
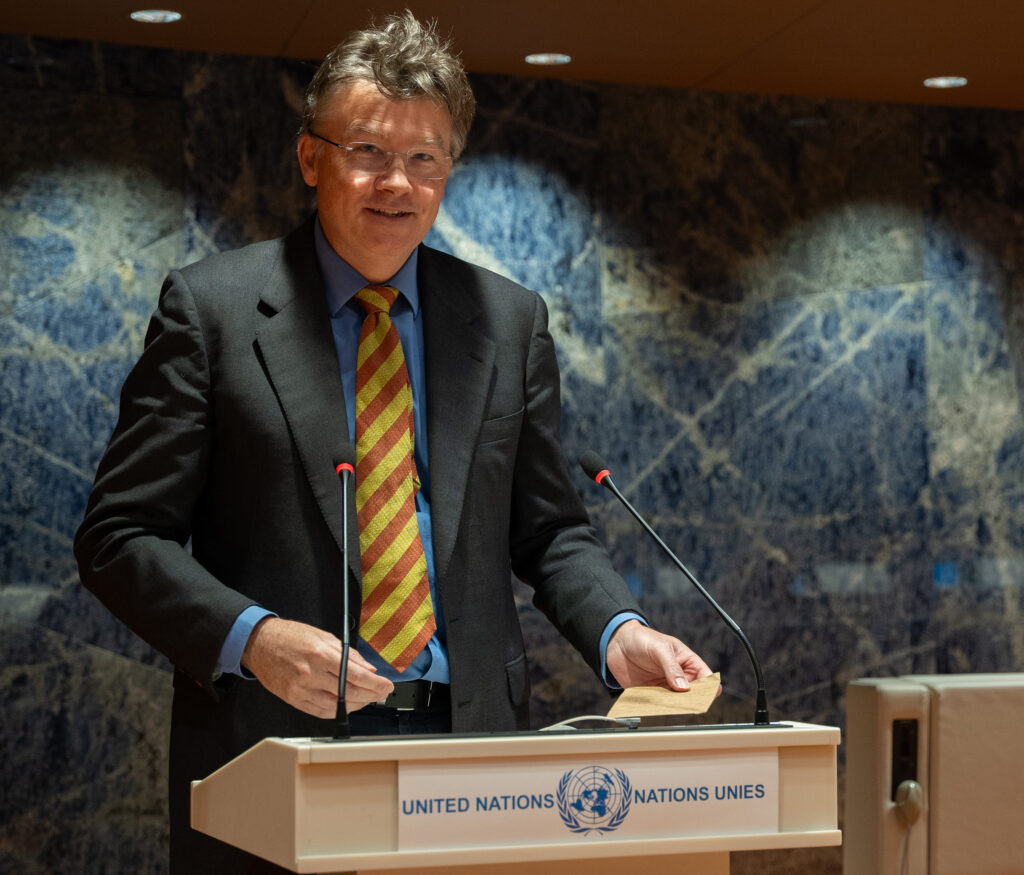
[[252, 386]]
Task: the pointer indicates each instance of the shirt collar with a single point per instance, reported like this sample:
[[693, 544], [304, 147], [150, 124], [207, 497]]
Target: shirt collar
[[343, 280]]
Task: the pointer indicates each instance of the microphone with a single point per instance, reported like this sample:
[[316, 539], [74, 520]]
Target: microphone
[[596, 469], [345, 470]]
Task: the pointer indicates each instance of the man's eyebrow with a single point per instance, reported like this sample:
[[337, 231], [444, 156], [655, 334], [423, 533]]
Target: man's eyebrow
[[374, 130], [364, 129]]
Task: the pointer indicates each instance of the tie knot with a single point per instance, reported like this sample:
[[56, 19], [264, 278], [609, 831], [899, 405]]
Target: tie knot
[[377, 299]]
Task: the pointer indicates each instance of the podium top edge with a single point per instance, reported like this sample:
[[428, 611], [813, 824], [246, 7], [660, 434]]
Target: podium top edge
[[538, 743]]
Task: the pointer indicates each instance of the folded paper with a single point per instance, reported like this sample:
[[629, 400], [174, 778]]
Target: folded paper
[[661, 702]]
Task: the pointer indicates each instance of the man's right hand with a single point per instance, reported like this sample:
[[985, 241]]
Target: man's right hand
[[299, 664]]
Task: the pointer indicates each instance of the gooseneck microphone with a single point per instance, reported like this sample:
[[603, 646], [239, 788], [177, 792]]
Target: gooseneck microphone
[[597, 470], [345, 470]]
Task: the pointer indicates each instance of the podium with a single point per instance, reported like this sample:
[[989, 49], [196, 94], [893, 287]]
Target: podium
[[669, 800]]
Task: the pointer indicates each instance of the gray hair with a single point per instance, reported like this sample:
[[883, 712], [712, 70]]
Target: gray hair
[[405, 60]]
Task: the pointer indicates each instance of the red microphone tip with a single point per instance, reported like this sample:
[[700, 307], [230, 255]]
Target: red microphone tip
[[344, 466], [601, 475]]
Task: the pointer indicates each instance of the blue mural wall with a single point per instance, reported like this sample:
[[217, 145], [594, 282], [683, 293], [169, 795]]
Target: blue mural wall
[[794, 328]]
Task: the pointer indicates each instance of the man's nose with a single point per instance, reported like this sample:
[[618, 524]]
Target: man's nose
[[395, 174]]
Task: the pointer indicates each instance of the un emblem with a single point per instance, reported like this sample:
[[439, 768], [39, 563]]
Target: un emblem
[[594, 799]]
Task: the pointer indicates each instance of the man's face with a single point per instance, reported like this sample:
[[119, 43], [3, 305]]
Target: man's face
[[374, 221]]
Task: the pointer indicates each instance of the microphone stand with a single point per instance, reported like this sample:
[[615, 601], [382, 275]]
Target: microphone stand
[[342, 728], [596, 470]]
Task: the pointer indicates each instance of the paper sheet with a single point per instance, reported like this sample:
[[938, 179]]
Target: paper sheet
[[660, 702]]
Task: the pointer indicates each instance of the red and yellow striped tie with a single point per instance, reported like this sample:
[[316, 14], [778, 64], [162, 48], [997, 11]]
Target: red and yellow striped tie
[[397, 619]]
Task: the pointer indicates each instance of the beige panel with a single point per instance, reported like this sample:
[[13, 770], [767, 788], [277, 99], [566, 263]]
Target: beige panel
[[805, 802], [971, 766], [331, 821], [692, 864], [977, 773], [875, 840], [242, 802]]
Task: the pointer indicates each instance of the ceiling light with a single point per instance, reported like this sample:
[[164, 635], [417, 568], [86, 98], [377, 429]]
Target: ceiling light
[[548, 59], [945, 82], [155, 16]]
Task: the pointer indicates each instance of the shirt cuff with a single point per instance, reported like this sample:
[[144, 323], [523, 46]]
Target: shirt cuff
[[230, 658], [609, 630]]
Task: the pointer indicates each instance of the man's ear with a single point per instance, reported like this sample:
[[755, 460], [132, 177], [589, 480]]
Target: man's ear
[[307, 150]]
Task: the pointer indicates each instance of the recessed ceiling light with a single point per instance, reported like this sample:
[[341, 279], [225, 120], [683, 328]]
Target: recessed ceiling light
[[548, 59], [945, 82], [156, 16]]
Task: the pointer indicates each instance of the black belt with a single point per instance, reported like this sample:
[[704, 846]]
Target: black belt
[[413, 695]]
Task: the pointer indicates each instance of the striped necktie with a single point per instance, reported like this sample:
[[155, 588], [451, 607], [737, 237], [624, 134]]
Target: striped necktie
[[397, 618]]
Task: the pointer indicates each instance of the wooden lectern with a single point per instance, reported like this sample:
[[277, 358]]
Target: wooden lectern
[[665, 800]]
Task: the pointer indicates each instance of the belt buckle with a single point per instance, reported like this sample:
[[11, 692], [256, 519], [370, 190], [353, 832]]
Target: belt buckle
[[415, 689], [400, 707], [417, 692]]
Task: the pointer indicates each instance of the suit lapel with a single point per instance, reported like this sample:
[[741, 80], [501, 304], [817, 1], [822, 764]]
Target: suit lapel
[[296, 346], [459, 361]]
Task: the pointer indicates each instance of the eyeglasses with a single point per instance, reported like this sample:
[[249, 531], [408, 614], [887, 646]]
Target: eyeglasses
[[422, 163]]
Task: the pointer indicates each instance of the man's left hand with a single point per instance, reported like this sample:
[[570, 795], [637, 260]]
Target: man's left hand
[[639, 656]]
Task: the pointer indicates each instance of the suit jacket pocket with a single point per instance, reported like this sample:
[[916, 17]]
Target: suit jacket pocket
[[502, 428], [518, 681]]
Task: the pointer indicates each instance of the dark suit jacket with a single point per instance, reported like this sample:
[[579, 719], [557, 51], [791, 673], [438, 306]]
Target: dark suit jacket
[[229, 430]]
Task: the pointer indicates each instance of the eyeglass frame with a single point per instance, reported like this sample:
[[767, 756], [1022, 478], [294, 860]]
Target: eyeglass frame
[[351, 147]]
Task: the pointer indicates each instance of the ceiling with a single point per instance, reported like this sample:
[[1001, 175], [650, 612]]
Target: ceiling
[[878, 50]]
